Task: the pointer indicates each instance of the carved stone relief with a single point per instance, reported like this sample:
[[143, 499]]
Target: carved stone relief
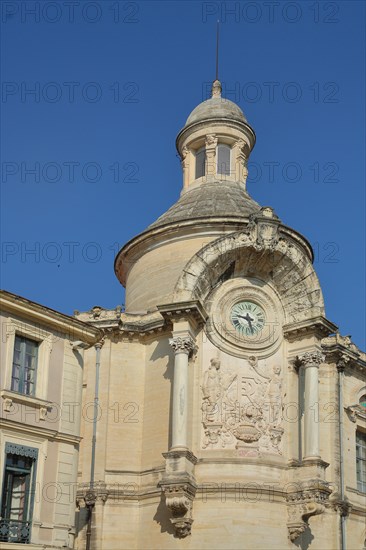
[[242, 408]]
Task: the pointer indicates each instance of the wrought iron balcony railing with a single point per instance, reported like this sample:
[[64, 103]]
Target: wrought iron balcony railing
[[12, 530]]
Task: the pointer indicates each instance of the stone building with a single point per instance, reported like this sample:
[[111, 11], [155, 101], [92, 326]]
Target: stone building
[[41, 384], [231, 410], [220, 410]]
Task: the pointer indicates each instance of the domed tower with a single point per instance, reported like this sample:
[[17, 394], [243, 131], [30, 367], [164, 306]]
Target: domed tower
[[217, 381], [214, 147]]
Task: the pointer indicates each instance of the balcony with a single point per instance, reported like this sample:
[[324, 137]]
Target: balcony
[[12, 530]]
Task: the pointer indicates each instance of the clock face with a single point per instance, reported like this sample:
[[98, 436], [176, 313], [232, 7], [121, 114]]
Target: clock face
[[247, 318]]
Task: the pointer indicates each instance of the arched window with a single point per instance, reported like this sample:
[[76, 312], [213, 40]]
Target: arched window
[[223, 159], [200, 162], [362, 401]]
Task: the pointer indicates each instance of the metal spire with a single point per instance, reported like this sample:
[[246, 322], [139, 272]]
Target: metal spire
[[217, 50], [216, 86]]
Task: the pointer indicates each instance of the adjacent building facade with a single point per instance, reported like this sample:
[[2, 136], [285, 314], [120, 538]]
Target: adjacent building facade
[[41, 385], [221, 408]]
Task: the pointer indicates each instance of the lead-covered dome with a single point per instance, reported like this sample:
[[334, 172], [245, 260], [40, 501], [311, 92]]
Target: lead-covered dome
[[218, 199], [214, 108]]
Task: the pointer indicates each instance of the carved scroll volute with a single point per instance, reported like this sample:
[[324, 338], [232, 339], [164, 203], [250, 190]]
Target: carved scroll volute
[[298, 515], [310, 500], [179, 500]]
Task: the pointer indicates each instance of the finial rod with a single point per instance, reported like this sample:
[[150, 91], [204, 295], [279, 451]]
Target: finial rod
[[217, 50]]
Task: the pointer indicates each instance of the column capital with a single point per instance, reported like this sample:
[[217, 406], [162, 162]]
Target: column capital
[[311, 359], [182, 344]]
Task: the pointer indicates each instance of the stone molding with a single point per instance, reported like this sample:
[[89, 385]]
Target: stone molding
[[145, 324], [179, 453], [14, 427], [344, 353], [183, 310], [11, 397], [43, 316], [319, 326], [242, 128]]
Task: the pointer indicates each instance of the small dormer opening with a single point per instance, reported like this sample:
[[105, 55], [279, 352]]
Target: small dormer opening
[[200, 162], [223, 159]]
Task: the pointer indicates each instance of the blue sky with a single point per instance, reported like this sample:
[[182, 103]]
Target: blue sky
[[113, 83]]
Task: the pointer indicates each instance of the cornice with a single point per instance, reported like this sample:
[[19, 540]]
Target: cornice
[[47, 433], [184, 310], [156, 236], [298, 238], [139, 325], [337, 347], [36, 313], [317, 326], [142, 324], [211, 122], [219, 226]]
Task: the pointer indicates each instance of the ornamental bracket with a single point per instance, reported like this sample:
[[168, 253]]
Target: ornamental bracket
[[310, 500], [179, 500]]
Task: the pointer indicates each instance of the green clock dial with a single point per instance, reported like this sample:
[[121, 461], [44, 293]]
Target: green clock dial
[[247, 318]]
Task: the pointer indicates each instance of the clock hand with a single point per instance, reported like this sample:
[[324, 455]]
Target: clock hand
[[246, 317], [250, 325]]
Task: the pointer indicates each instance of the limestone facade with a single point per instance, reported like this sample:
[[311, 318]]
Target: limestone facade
[[221, 408], [40, 424], [220, 429]]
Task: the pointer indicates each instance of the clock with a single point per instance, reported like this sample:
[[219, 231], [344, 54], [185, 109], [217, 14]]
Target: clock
[[245, 317], [248, 318]]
